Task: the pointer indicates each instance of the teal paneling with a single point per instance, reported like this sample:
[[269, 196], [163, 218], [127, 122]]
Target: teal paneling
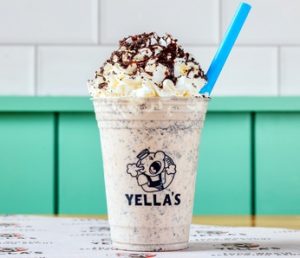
[[26, 163], [278, 163], [223, 182], [224, 169], [84, 104], [226, 138], [81, 181]]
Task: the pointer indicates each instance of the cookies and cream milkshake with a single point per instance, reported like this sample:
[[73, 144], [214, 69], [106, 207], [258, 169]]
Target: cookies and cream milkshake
[[150, 116]]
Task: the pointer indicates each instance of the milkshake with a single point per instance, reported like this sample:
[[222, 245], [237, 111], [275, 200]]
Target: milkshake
[[150, 116]]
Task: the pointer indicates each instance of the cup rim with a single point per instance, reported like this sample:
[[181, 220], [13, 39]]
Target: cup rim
[[152, 99]]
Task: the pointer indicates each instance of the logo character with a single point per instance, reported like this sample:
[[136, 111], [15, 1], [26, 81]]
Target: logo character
[[154, 171]]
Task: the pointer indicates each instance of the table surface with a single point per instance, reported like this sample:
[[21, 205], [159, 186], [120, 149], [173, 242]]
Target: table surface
[[243, 221]]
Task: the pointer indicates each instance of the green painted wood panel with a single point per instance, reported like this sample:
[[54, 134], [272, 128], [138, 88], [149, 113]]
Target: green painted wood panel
[[84, 104], [81, 180], [26, 163], [224, 170], [278, 163], [223, 187]]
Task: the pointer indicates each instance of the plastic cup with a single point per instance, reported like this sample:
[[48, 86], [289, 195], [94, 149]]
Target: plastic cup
[[150, 155]]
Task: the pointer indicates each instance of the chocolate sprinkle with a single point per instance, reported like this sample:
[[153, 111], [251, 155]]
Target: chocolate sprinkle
[[102, 85], [129, 53]]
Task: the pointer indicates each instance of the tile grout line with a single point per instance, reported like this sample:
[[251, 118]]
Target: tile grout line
[[240, 45], [35, 71], [98, 22], [278, 67], [220, 21], [97, 25]]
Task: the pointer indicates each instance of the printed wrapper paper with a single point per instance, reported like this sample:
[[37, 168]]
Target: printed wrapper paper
[[50, 237]]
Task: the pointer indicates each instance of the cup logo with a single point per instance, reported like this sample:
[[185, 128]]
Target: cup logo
[[154, 171]]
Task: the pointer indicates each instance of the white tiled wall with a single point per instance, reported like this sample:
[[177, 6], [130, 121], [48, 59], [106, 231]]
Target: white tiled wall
[[290, 76], [197, 23], [63, 70], [52, 47], [16, 70]]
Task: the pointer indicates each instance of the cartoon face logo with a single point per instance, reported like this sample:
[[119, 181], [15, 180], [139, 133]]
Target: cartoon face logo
[[154, 171]]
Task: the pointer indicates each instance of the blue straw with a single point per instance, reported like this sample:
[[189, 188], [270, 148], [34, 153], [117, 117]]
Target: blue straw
[[225, 47]]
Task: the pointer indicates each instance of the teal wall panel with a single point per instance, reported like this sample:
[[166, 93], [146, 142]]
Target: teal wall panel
[[81, 181], [224, 170], [223, 187], [26, 163], [29, 162], [277, 163]]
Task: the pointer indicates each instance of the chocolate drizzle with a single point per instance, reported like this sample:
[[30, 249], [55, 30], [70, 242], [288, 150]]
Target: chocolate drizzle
[[135, 51]]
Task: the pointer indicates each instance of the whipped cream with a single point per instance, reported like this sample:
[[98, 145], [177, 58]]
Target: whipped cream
[[147, 65]]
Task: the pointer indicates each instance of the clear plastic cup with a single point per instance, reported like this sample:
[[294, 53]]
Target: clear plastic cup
[[150, 155]]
